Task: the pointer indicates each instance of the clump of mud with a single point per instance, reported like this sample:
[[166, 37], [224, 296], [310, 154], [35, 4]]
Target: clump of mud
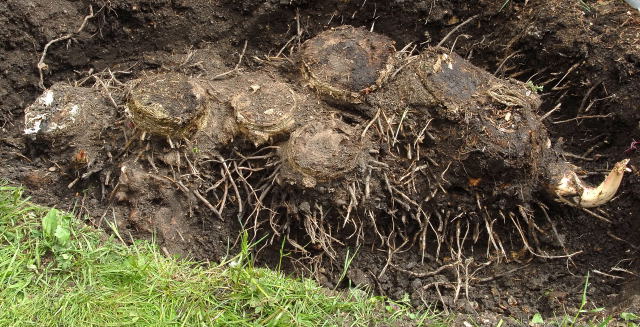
[[71, 124]]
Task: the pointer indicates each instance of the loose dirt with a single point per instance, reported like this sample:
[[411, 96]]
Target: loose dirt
[[585, 55]]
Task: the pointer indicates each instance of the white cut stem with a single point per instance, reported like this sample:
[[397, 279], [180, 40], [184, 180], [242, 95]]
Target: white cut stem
[[593, 197], [588, 196]]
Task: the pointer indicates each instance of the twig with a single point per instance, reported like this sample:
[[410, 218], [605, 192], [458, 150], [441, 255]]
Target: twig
[[607, 275], [235, 188], [466, 36], [570, 203], [455, 29], [285, 46], [586, 96], [556, 88], [528, 247], [504, 61], [41, 65], [625, 271], [235, 69], [426, 274], [583, 117], [571, 155], [391, 250], [208, 204], [376, 116], [553, 226], [617, 238], [558, 106]]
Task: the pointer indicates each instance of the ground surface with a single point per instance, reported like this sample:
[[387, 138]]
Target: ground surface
[[85, 278], [585, 54]]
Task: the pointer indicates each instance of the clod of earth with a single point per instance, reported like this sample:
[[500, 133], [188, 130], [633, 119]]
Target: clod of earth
[[488, 125], [67, 121], [483, 125], [403, 147], [62, 111]]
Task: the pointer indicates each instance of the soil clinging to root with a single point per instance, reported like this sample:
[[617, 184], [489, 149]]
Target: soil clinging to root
[[440, 167]]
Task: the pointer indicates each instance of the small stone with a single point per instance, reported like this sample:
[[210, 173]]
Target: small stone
[[416, 284]]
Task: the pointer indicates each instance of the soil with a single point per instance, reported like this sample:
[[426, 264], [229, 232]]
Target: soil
[[585, 55]]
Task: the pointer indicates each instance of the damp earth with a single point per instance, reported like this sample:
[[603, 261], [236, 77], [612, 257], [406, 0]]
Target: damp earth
[[472, 155]]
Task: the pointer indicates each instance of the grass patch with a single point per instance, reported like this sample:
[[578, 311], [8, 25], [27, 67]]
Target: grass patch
[[54, 271]]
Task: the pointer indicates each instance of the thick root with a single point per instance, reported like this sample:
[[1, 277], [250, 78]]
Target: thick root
[[347, 62], [170, 104], [321, 151], [265, 110]]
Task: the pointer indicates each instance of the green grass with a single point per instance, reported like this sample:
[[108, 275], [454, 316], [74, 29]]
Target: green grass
[[54, 271], [584, 317]]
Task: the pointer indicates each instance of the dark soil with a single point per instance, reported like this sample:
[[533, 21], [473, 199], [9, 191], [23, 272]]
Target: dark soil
[[586, 57]]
